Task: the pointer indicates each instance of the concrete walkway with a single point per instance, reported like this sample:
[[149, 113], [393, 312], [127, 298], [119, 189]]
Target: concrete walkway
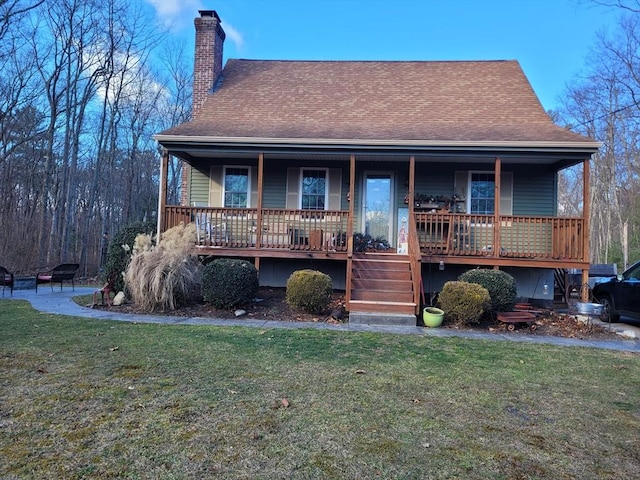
[[61, 303]]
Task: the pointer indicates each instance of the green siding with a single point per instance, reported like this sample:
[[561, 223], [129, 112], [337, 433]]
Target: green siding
[[435, 179], [534, 189], [199, 192], [534, 192], [274, 188]]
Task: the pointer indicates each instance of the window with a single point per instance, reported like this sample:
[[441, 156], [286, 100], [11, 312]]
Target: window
[[482, 196], [314, 189], [236, 187]]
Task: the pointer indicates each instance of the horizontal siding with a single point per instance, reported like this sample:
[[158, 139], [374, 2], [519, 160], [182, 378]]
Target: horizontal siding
[[199, 192], [274, 188], [534, 192], [436, 179]]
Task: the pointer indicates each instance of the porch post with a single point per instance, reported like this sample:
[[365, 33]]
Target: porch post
[[412, 181], [496, 209], [162, 194], [586, 213], [413, 242], [352, 201], [259, 206]]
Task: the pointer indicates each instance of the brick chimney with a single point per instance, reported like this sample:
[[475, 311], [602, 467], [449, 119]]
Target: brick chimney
[[208, 56]]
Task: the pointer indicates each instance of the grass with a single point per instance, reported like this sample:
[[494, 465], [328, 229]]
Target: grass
[[92, 399]]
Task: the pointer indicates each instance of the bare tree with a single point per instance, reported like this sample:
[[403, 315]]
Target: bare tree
[[80, 100], [11, 12], [604, 104], [175, 105]]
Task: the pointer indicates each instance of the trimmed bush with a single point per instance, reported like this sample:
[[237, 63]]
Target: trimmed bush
[[500, 285], [167, 275], [463, 302], [228, 282], [309, 290], [121, 249]]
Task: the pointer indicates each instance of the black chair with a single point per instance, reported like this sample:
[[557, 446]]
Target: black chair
[[6, 280], [59, 274]]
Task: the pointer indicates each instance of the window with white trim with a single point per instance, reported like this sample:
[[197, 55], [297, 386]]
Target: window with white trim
[[236, 187], [313, 189], [482, 193]]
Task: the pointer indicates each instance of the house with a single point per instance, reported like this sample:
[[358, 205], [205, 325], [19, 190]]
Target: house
[[454, 164]]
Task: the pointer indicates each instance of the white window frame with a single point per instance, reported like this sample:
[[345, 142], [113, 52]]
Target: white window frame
[[224, 183], [326, 186], [469, 183]]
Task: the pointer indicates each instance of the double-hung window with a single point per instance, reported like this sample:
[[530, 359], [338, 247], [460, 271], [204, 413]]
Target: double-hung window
[[482, 193], [313, 195], [236, 187]]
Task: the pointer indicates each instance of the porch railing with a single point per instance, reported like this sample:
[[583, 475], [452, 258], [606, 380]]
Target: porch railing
[[451, 234], [512, 236], [415, 259], [322, 230]]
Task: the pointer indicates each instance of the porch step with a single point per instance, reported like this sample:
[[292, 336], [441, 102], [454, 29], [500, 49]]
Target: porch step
[[406, 308], [381, 270], [379, 295], [388, 319], [381, 284]]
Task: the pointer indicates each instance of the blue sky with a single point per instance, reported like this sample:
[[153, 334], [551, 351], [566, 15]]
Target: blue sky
[[550, 38]]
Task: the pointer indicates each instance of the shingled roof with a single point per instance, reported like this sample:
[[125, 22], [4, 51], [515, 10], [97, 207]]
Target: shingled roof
[[431, 101]]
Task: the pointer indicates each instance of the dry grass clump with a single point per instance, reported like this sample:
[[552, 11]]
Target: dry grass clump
[[167, 275]]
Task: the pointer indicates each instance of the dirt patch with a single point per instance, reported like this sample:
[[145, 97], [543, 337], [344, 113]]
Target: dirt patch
[[270, 304], [546, 322]]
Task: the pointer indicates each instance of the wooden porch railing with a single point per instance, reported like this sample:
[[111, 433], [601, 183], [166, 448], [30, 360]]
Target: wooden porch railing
[[451, 234], [544, 238], [415, 259], [323, 230]]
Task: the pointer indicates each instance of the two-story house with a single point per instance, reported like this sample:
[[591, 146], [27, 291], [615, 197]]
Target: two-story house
[[454, 164]]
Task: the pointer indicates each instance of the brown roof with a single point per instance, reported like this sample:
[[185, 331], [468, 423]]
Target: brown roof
[[444, 101]]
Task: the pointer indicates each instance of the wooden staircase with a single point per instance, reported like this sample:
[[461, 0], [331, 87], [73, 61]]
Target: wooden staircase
[[382, 284]]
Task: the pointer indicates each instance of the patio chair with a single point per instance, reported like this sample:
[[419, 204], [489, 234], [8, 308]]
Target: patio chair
[[6, 280], [59, 274], [208, 232]]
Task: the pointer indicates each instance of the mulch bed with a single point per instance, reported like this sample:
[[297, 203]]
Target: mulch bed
[[271, 305]]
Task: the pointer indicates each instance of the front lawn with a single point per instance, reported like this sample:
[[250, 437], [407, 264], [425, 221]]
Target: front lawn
[[83, 398]]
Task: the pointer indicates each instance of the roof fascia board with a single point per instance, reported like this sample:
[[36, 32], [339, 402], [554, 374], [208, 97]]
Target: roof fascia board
[[308, 143]]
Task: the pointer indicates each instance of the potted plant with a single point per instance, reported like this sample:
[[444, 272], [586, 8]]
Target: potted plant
[[432, 317]]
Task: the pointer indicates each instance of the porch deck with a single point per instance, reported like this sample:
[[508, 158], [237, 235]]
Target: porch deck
[[458, 237]]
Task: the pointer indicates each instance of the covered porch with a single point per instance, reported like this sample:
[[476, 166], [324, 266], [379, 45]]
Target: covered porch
[[432, 235]]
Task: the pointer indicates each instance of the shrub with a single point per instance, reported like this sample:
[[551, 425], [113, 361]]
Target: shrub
[[166, 275], [228, 282], [309, 290], [121, 248], [366, 243], [464, 302], [500, 285]]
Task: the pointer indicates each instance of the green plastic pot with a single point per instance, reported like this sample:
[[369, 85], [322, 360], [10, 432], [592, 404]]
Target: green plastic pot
[[432, 317]]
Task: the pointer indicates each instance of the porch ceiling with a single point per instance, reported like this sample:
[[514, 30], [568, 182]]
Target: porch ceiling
[[560, 157]]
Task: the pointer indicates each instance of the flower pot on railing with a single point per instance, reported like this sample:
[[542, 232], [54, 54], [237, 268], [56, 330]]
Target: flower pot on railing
[[432, 317]]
